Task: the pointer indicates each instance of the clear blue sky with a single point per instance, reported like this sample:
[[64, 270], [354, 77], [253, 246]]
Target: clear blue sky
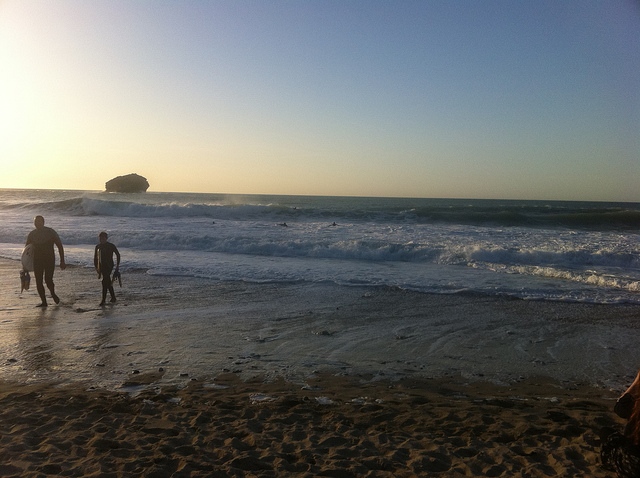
[[483, 99]]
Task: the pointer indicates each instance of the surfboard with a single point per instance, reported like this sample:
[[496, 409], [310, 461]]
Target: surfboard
[[27, 258]]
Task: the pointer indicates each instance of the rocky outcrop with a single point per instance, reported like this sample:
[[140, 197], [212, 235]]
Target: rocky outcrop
[[130, 183]]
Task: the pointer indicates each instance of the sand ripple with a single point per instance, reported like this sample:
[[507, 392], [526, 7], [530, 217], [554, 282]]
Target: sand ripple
[[401, 429]]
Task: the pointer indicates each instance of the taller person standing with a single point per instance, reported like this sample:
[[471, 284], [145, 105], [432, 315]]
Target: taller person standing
[[44, 259]]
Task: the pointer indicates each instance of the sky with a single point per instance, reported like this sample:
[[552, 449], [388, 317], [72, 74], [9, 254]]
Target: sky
[[501, 99]]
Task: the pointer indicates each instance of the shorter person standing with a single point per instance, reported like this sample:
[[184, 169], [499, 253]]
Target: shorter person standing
[[103, 262]]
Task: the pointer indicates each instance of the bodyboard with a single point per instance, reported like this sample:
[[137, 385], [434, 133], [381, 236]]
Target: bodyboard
[[27, 258]]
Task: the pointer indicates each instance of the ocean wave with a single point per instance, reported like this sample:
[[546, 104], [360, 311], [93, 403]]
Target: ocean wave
[[517, 216], [488, 213], [538, 248], [587, 277], [72, 206], [463, 251]]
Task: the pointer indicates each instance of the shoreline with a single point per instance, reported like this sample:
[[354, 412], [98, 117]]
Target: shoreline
[[198, 328]]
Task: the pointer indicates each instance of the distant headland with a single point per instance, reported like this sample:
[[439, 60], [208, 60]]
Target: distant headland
[[130, 183]]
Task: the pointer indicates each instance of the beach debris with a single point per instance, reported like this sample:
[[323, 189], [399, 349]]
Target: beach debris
[[325, 333], [215, 386], [245, 359], [260, 398], [306, 386], [324, 401], [550, 399], [366, 400]]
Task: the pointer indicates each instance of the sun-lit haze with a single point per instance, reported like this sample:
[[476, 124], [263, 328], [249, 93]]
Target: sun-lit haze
[[490, 99]]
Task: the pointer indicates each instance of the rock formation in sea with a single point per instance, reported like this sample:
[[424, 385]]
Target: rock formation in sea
[[130, 183]]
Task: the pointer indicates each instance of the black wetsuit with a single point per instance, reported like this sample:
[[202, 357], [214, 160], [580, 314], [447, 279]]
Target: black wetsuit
[[44, 259], [103, 261]]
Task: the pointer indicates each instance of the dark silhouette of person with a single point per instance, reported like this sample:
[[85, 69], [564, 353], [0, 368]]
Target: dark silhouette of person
[[44, 259], [103, 262]]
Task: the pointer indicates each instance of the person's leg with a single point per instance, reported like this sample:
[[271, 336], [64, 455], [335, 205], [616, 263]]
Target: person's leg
[[49, 268], [38, 272], [104, 290], [106, 284]]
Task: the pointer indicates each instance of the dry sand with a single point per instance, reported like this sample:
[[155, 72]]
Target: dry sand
[[330, 427]]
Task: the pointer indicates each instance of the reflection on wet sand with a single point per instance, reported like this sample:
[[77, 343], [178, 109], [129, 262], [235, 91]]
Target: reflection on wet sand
[[196, 328]]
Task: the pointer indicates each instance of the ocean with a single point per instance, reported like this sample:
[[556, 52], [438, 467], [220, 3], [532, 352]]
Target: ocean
[[536, 250], [287, 286]]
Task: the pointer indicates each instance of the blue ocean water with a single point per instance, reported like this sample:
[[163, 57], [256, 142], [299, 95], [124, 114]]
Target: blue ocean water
[[541, 250]]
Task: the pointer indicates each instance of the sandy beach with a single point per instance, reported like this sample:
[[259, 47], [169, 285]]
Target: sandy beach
[[183, 377], [330, 427]]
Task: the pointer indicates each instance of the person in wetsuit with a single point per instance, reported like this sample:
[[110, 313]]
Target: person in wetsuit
[[103, 262], [44, 258]]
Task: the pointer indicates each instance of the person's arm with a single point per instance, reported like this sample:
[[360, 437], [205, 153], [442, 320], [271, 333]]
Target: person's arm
[[96, 262], [115, 249], [58, 244]]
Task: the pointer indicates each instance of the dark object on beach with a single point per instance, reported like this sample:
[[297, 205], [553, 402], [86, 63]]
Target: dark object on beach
[[131, 183], [117, 276], [620, 452]]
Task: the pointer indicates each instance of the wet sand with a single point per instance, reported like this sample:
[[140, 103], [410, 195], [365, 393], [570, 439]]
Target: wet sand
[[201, 328], [188, 377]]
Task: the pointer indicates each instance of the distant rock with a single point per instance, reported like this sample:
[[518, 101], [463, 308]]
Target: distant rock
[[130, 183]]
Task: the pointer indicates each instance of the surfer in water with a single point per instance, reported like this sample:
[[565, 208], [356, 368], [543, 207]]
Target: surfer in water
[[103, 262], [44, 258]]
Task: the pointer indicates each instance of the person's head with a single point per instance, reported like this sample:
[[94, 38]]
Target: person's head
[[103, 236], [38, 221]]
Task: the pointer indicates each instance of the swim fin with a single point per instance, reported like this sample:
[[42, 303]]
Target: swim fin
[[25, 280], [116, 275]]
